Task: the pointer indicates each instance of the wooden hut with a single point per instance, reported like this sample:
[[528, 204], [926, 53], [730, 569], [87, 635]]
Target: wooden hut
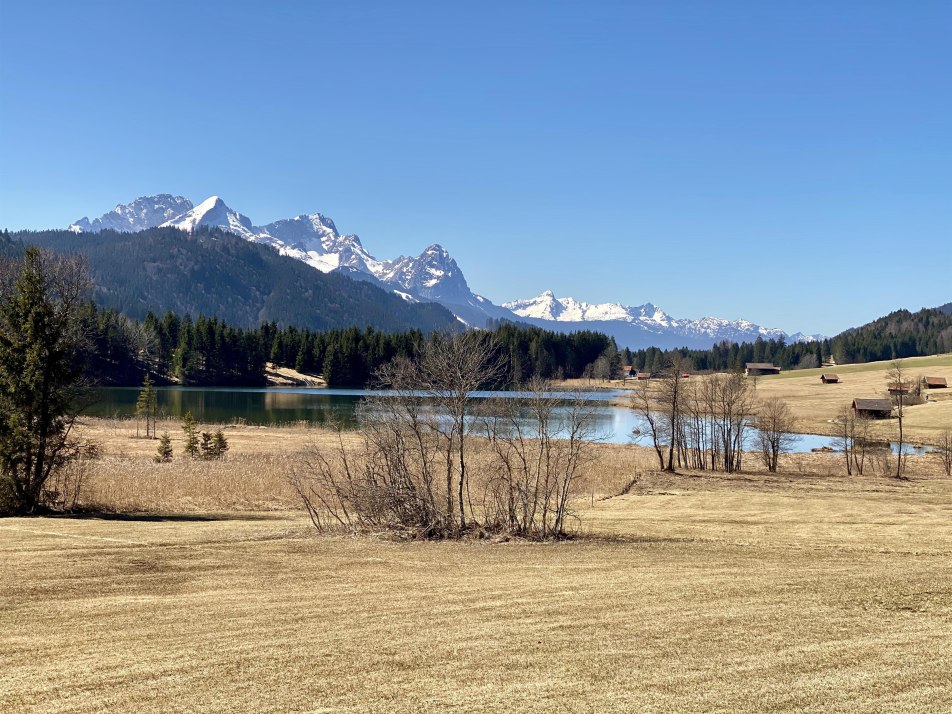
[[830, 378], [643, 375], [756, 369], [873, 408], [934, 382], [899, 388]]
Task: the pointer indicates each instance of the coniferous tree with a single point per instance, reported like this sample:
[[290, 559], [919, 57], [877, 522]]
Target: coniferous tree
[[41, 372], [164, 451], [189, 429]]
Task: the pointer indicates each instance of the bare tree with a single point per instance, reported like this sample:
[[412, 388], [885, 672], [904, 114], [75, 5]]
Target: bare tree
[[775, 427], [853, 440], [449, 370], [898, 380], [731, 406], [945, 451], [644, 402], [671, 399], [539, 443]]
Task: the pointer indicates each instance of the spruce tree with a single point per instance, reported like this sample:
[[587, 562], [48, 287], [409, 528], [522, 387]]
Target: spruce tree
[[146, 405], [41, 372], [164, 452], [219, 444], [190, 447]]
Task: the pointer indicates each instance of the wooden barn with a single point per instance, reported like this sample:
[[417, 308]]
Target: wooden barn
[[643, 375], [756, 369], [934, 383], [873, 408], [897, 388], [830, 378]]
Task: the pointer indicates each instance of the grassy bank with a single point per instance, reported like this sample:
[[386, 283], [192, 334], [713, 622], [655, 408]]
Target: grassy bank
[[802, 591]]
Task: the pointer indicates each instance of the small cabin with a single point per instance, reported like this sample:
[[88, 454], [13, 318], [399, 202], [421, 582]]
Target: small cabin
[[627, 372], [756, 369], [896, 389], [643, 375], [830, 378], [872, 408], [935, 383]]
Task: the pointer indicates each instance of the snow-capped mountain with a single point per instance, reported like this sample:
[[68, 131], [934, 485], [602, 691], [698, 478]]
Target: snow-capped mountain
[[641, 325], [315, 239], [548, 307], [213, 212], [142, 213], [432, 276]]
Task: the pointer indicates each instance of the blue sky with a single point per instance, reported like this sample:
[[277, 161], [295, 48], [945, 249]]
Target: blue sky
[[785, 162]]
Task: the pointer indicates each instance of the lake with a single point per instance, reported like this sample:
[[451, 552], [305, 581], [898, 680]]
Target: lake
[[284, 405]]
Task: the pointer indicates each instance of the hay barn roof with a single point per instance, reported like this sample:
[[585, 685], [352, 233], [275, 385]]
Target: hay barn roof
[[873, 405]]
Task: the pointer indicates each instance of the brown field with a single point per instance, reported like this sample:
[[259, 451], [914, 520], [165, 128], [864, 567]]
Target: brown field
[[817, 404], [796, 592]]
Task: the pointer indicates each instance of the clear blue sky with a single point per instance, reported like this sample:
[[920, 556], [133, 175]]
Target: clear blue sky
[[785, 162]]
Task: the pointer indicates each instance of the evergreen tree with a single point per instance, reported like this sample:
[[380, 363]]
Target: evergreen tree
[[40, 372], [164, 452], [147, 406], [220, 445], [189, 428], [206, 448]]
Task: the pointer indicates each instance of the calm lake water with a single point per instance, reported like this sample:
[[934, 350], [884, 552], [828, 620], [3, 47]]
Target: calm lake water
[[283, 405]]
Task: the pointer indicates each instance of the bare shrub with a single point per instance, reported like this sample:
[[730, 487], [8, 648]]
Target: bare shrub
[[853, 440], [775, 426], [539, 444], [411, 467], [63, 491]]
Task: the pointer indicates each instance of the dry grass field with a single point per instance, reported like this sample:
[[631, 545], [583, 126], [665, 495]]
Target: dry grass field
[[795, 592], [816, 404]]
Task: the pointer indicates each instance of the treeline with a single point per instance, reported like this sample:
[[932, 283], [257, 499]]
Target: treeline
[[897, 335], [207, 351]]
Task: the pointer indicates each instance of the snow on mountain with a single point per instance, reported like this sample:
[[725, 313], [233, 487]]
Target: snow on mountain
[[548, 307], [142, 213], [635, 325], [213, 213], [431, 276], [314, 239]]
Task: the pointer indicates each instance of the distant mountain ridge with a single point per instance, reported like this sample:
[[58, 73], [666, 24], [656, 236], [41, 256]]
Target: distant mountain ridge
[[432, 276], [217, 273], [647, 318]]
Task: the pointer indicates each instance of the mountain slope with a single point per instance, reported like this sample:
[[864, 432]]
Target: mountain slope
[[217, 273]]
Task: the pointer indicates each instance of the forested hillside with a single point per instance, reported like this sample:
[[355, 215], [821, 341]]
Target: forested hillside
[[211, 272]]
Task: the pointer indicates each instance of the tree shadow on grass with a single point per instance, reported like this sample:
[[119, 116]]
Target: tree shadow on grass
[[160, 517]]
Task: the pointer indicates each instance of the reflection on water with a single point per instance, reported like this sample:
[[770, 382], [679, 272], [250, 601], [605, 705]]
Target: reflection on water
[[282, 405]]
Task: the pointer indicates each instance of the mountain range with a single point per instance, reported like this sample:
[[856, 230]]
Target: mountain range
[[431, 276]]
